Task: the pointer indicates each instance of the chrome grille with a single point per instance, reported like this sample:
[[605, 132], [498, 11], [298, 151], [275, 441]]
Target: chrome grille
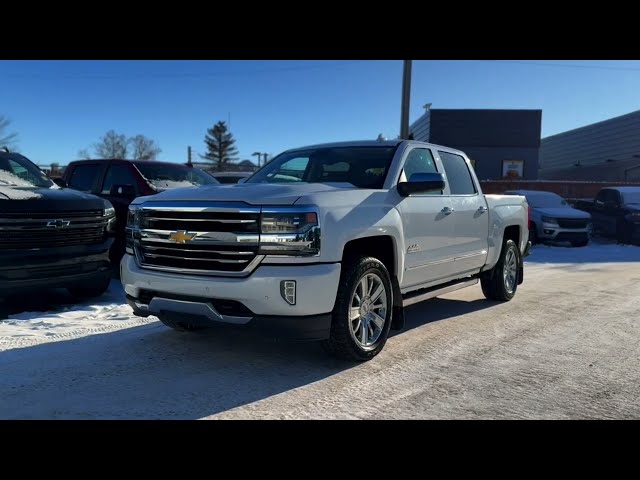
[[218, 239], [36, 230]]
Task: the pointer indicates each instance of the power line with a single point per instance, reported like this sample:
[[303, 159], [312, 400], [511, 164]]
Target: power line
[[568, 65]]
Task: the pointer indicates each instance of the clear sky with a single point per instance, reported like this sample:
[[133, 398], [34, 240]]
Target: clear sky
[[60, 107]]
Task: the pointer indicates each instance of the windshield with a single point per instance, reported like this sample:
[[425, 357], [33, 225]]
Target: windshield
[[547, 200], [362, 167], [17, 171], [631, 197], [169, 176]]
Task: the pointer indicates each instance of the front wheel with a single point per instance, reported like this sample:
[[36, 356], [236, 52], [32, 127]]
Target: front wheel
[[362, 312], [502, 282]]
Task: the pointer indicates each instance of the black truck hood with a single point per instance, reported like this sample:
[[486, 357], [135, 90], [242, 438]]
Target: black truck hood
[[54, 200]]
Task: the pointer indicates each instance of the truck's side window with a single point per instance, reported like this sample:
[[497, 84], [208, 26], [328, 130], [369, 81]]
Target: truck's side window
[[118, 174], [419, 160], [458, 175], [84, 177]]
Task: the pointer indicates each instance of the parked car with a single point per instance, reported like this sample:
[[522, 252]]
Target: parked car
[[615, 212], [231, 177], [51, 237], [120, 181], [327, 242], [553, 219]]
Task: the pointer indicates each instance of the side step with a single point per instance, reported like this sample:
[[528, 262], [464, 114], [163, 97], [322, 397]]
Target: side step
[[426, 293]]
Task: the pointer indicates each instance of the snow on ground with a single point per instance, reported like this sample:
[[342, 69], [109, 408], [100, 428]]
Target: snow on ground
[[60, 318], [598, 251], [67, 320]]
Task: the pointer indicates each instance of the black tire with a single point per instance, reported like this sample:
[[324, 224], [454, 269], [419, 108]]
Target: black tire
[[180, 326], [580, 243], [91, 291], [494, 285], [533, 234], [342, 342]]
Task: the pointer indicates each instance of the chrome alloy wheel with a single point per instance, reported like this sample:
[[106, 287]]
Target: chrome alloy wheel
[[368, 310]]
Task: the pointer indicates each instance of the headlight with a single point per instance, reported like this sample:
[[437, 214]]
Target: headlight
[[108, 211], [289, 232], [133, 217], [550, 221]]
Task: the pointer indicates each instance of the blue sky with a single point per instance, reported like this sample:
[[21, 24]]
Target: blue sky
[[60, 107]]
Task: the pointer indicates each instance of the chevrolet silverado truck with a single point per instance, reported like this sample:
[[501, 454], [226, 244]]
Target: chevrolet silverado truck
[[327, 242], [50, 237]]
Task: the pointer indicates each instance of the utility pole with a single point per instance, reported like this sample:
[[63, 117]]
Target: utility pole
[[259, 155], [189, 155], [406, 94]]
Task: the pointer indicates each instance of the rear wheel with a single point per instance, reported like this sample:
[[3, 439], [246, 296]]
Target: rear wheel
[[362, 312], [502, 281]]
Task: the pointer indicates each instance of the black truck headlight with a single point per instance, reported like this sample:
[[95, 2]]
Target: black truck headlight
[[110, 214], [287, 231]]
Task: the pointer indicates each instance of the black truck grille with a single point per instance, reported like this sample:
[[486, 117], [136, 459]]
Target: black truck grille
[[572, 223], [198, 242], [36, 230]]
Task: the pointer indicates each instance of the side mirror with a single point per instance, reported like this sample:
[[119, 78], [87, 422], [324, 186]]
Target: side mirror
[[123, 191], [422, 183], [60, 182], [610, 205]]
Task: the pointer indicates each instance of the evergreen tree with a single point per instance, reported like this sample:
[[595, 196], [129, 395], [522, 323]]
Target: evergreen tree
[[221, 149]]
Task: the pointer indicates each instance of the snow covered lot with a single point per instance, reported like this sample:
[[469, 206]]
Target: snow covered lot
[[568, 346]]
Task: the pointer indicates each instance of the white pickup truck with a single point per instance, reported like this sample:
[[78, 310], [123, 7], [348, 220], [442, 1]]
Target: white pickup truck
[[327, 242]]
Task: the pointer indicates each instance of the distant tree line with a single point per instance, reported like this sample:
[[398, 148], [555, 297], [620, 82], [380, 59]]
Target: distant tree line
[[117, 145]]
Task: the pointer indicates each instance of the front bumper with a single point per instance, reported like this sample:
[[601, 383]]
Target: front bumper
[[254, 301], [557, 234], [53, 268]]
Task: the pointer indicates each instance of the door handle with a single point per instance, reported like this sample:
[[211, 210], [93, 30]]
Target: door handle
[[447, 210], [482, 209]]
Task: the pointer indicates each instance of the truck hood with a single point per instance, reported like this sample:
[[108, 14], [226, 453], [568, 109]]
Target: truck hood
[[251, 193], [562, 212], [55, 200], [633, 206]]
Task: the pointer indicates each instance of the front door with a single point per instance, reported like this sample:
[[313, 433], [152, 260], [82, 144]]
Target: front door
[[427, 226]]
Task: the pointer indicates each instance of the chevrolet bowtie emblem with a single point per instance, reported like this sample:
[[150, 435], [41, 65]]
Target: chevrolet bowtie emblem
[[181, 236]]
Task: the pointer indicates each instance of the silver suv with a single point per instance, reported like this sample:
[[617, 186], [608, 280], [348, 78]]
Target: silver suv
[[554, 220]]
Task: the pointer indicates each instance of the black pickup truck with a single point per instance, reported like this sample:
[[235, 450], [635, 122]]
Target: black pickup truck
[[615, 212], [50, 237]]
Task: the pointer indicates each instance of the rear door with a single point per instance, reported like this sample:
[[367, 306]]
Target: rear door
[[427, 225], [86, 176], [470, 217]]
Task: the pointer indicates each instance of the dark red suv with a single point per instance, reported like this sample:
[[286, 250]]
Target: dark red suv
[[120, 181]]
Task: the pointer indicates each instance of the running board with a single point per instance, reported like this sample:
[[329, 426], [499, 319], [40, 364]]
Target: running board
[[427, 293]]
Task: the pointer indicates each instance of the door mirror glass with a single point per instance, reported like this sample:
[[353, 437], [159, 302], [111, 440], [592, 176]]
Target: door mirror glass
[[421, 183], [123, 191]]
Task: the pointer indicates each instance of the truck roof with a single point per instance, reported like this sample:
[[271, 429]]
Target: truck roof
[[374, 143]]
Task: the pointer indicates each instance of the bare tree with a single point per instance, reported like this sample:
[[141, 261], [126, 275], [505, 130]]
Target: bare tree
[[112, 145], [144, 148], [84, 154], [6, 139]]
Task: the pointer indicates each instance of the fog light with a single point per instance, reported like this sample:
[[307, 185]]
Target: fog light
[[288, 291], [548, 232]]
